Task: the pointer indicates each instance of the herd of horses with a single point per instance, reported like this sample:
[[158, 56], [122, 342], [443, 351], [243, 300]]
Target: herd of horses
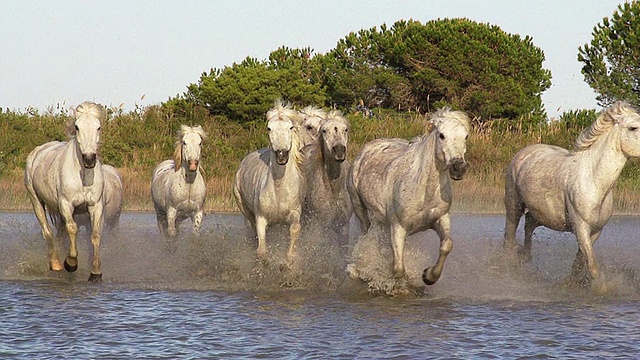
[[400, 186]]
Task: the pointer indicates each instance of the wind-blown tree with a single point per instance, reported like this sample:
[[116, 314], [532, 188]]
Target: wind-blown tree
[[455, 62], [244, 92], [612, 59]]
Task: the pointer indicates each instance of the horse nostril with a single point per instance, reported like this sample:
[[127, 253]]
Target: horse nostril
[[89, 160], [339, 151]]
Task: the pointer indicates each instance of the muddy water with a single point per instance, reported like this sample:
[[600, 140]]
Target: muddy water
[[207, 297]]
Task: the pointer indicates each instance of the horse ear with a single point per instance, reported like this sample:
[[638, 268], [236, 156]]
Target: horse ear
[[177, 156]]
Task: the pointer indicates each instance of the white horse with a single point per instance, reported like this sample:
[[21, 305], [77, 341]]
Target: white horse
[[572, 191], [177, 186], [269, 186], [311, 118], [113, 199], [326, 168], [405, 186], [62, 176]]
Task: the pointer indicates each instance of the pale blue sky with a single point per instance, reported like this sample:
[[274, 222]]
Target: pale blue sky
[[113, 52]]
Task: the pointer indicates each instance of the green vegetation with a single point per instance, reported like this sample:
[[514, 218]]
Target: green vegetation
[[136, 142], [401, 71], [409, 66], [612, 59]]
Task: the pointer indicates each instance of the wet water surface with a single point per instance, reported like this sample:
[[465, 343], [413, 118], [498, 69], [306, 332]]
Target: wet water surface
[[208, 297]]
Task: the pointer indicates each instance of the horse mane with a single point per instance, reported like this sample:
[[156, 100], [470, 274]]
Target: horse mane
[[314, 111], [87, 108], [603, 124], [337, 115], [436, 118], [177, 151], [282, 111]]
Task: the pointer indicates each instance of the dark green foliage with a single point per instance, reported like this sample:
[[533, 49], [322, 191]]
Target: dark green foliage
[[454, 62], [410, 66], [22, 132], [578, 118], [612, 59], [244, 92]]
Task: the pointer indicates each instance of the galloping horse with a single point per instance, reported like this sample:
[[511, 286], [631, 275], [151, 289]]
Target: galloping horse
[[572, 190], [326, 169], [269, 186], [62, 176], [177, 186], [405, 186]]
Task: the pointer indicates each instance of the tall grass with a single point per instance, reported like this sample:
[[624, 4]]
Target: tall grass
[[135, 142]]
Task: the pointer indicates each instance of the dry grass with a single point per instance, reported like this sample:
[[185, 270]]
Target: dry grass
[[490, 148]]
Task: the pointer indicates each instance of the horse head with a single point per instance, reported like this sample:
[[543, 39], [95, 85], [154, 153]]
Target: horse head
[[188, 147], [282, 124], [451, 130], [312, 118], [627, 119], [87, 131], [334, 133]]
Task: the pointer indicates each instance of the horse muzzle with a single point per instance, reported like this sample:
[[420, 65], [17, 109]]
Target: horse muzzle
[[193, 165], [282, 157], [89, 160], [457, 169], [339, 152]]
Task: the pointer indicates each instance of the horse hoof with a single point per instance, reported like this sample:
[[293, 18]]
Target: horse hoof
[[70, 266], [425, 277], [95, 278]]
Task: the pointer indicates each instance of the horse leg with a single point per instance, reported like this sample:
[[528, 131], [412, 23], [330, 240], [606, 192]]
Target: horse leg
[[261, 230], [514, 209], [432, 274], [96, 235], [171, 221], [66, 213], [161, 220], [294, 234], [197, 222], [47, 233], [398, 236], [585, 241], [530, 224]]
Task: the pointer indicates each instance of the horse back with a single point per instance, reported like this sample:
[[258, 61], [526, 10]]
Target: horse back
[[537, 177]]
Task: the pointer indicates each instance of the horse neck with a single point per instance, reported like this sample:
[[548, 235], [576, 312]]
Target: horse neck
[[604, 160], [424, 166], [73, 149], [332, 168], [283, 173], [187, 177]]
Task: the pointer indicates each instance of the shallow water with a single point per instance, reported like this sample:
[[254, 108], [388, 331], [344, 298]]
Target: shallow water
[[208, 298]]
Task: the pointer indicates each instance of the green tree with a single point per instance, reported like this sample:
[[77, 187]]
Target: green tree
[[455, 62], [244, 92], [612, 59]]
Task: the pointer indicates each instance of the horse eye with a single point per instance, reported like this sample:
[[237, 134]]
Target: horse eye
[[268, 129], [441, 136], [633, 128], [98, 128], [77, 128], [309, 127], [291, 128], [466, 137]]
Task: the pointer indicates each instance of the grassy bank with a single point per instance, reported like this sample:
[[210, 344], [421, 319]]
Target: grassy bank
[[136, 142]]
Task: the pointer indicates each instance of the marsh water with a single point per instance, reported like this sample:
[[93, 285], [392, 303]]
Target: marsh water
[[208, 297]]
